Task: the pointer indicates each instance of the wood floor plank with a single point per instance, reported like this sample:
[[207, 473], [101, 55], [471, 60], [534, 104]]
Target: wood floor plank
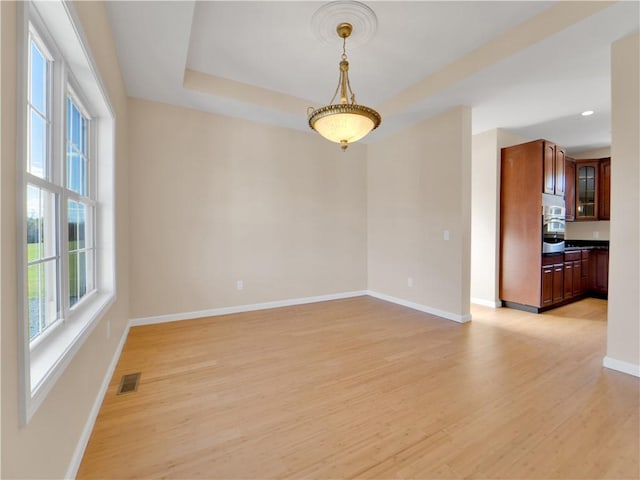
[[361, 388]]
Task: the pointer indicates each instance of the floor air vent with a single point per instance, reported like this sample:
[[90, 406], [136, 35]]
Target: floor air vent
[[129, 383]]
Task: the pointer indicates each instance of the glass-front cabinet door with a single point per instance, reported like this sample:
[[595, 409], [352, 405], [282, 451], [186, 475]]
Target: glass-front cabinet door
[[586, 191]]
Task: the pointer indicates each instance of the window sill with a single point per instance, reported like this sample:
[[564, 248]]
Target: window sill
[[50, 357]]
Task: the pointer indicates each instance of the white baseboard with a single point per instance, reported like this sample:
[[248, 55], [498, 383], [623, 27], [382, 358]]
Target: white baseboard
[[76, 459], [620, 366], [242, 308], [422, 308], [485, 303]]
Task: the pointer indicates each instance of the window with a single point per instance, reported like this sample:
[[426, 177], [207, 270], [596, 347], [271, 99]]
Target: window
[[42, 232], [67, 138], [80, 247]]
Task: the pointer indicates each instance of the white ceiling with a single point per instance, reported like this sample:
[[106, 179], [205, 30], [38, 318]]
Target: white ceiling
[[537, 91]]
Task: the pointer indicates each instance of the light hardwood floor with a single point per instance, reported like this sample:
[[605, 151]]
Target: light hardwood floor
[[368, 389]]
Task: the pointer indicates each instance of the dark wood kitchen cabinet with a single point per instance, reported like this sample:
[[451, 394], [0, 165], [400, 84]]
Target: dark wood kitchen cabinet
[[604, 193], [559, 170], [572, 274], [570, 189], [547, 286], [600, 272], [528, 171], [552, 280], [568, 277], [585, 260], [587, 175], [568, 280], [593, 189], [530, 280], [553, 169], [577, 278]]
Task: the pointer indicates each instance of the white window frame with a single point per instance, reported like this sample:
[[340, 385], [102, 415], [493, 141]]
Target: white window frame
[[74, 73]]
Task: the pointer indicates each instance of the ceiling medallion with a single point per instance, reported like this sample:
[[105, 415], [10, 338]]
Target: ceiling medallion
[[345, 122], [359, 15]]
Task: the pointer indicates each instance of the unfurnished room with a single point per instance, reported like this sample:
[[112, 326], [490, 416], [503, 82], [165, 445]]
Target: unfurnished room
[[303, 239]]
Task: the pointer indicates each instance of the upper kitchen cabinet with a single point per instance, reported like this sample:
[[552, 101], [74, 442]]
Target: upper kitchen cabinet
[[554, 160], [593, 185], [570, 189], [604, 194], [587, 174]]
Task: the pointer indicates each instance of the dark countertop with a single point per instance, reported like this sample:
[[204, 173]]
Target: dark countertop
[[570, 245]]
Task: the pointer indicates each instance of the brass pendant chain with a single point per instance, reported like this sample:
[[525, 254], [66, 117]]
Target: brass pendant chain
[[344, 85]]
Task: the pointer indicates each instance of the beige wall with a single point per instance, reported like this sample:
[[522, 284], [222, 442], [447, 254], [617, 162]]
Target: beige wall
[[591, 154], [623, 332], [216, 199], [485, 213], [55, 429], [598, 230], [419, 183], [485, 191], [587, 230], [2, 232]]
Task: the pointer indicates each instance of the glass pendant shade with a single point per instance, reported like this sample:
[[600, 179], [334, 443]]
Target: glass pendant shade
[[345, 122]]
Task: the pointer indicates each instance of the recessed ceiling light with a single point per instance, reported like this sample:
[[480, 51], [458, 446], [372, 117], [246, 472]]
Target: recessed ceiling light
[[586, 113]]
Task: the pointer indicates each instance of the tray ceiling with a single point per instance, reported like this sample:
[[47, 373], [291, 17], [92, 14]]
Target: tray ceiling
[[529, 67]]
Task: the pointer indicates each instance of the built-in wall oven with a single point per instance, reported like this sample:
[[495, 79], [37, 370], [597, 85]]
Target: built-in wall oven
[[553, 224]]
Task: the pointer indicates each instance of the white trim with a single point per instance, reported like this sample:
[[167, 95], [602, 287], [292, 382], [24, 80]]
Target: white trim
[[22, 63], [41, 365], [620, 366], [76, 459], [174, 317], [422, 308], [486, 303]]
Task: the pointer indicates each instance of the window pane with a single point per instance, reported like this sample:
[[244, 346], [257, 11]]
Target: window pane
[[41, 296], [75, 127], [69, 119], [88, 226], [34, 283], [82, 223], [77, 213], [83, 137], [34, 226], [73, 279], [37, 161], [73, 220], [41, 224], [82, 274], [73, 169], [89, 269], [38, 93], [82, 177]]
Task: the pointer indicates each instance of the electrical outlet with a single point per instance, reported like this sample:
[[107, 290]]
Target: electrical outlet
[[410, 282], [596, 235], [239, 284]]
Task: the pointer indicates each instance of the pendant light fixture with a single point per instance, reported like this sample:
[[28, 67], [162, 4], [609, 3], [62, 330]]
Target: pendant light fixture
[[345, 122]]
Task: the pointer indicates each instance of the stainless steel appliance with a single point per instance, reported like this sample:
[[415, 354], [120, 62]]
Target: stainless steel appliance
[[553, 224]]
